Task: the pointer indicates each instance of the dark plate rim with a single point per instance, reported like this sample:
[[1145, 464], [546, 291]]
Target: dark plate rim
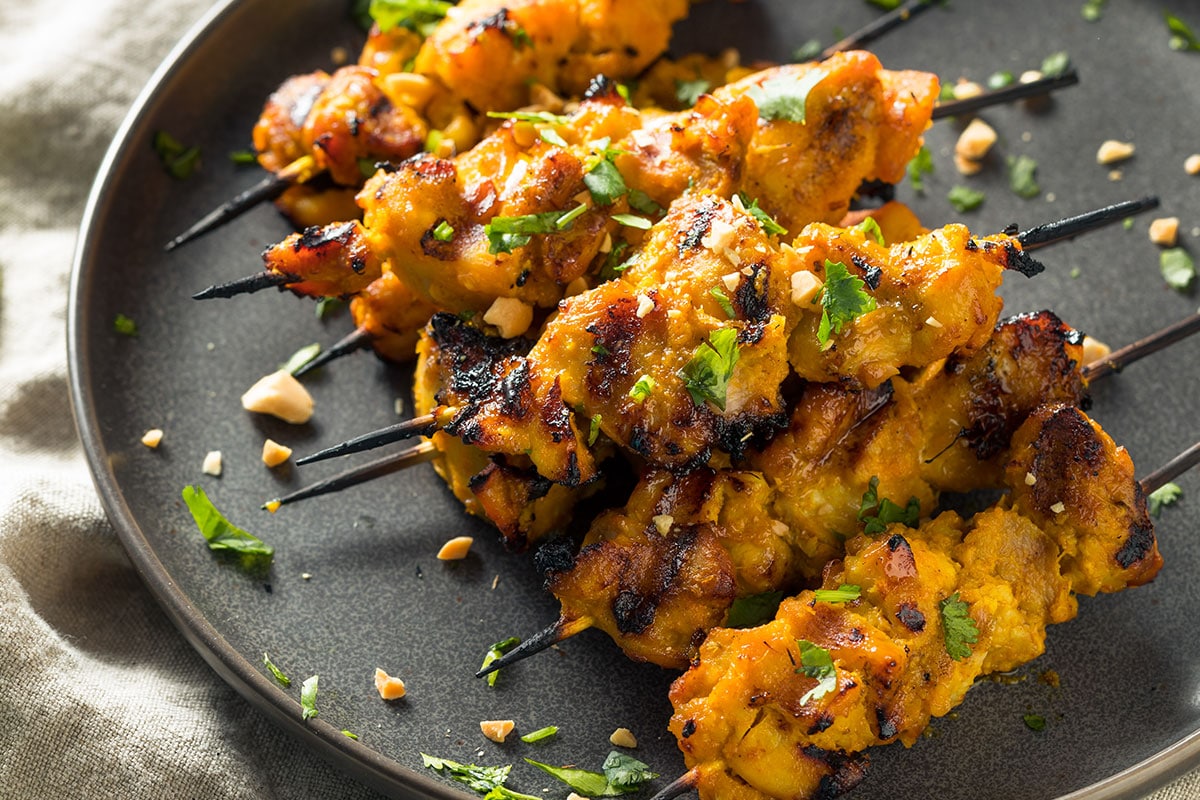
[[364, 763]]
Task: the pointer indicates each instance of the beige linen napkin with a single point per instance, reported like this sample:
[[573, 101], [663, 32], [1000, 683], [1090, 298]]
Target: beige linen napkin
[[99, 695]]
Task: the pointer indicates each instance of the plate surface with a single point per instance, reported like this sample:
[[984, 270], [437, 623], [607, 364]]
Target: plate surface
[[1127, 715]]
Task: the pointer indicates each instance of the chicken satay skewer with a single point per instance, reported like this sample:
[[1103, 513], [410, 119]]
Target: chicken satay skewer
[[440, 417]]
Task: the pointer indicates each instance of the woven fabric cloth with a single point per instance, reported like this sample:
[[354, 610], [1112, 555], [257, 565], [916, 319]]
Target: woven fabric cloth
[[99, 695]]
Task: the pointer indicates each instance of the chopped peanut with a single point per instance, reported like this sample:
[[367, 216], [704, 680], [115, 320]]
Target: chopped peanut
[[645, 305], [1192, 165], [964, 90], [462, 132], [663, 523], [1058, 507], [577, 286], [389, 688], [212, 463], [456, 549], [1030, 76], [1030, 479], [1113, 151], [805, 286], [497, 729], [967, 166], [510, 315], [623, 737], [1094, 350], [1165, 231], [280, 395], [408, 89], [573, 796], [524, 134], [975, 141], [274, 454], [152, 438]]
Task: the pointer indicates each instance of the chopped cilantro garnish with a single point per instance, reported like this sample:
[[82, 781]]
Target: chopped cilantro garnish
[[765, 221], [308, 697], [633, 221], [1092, 10], [886, 5], [301, 357], [327, 306], [494, 652], [488, 781], [508, 233], [553, 137], [642, 389], [444, 232], [958, 628], [1055, 64], [222, 535], [640, 201], [723, 300], [1035, 722], [964, 198], [622, 774], [540, 734], [350, 734], [613, 265], [125, 325], [844, 299], [179, 161], [1127, 223], [1022, 176], [1164, 495], [753, 610], [920, 166], [531, 116], [243, 157], [520, 37], [785, 97], [885, 511], [1178, 268], [706, 376], [1000, 79], [599, 349], [816, 662], [807, 51], [845, 593], [870, 227], [605, 183], [688, 92], [593, 430], [366, 167], [274, 670], [419, 15], [1182, 37], [433, 141]]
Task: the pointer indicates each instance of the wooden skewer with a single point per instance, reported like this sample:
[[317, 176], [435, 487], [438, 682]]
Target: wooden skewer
[[246, 285], [873, 30], [1119, 359], [1009, 94], [1172, 469], [549, 636], [357, 339], [423, 425], [685, 782], [418, 454], [1069, 228], [270, 187]]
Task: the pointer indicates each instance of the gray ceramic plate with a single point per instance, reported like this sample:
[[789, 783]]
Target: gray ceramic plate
[[1127, 715]]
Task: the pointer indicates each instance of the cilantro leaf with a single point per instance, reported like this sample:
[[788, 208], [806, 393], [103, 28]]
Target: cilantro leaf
[[642, 389], [964, 198], [419, 15], [816, 662], [785, 97], [706, 376], [1055, 64], [1035, 722], [958, 628], [494, 652], [1178, 268], [809, 51], [633, 221], [765, 221], [594, 429], [1182, 37], [274, 670], [327, 306], [350, 734], [844, 299], [221, 535], [179, 161], [1092, 10], [886, 5], [622, 774], [1022, 176], [553, 137], [531, 116], [301, 357], [723, 300], [125, 325], [920, 166], [540, 734], [488, 781], [308, 697], [1000, 79], [753, 610], [444, 232], [605, 182], [845, 593], [243, 157], [870, 227], [640, 201], [613, 265], [688, 92], [888, 512], [1164, 495], [505, 234]]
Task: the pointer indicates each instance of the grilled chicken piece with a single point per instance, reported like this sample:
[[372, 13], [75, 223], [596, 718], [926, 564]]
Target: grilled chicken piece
[[456, 363], [392, 314], [753, 724], [659, 572]]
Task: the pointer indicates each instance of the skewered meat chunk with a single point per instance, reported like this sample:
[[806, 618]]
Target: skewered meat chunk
[[392, 314], [781, 520], [752, 722]]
